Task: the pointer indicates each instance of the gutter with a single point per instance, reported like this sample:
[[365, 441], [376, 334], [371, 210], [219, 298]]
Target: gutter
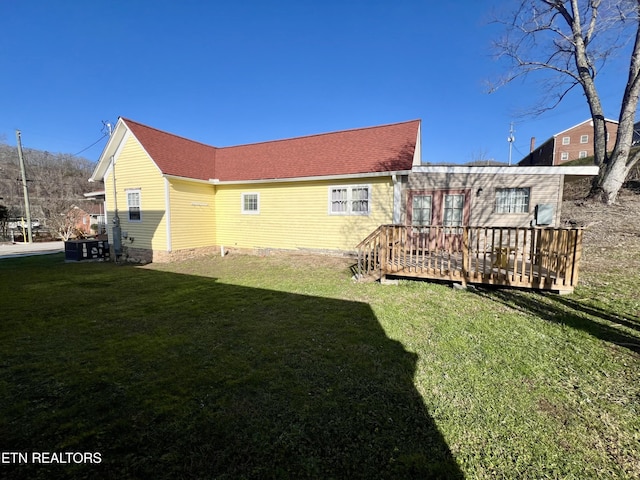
[[216, 181]]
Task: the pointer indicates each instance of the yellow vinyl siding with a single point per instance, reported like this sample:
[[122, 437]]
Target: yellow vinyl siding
[[544, 189], [135, 170], [295, 215], [192, 215]]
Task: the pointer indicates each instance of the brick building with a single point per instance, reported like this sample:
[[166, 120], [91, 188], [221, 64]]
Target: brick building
[[570, 144]]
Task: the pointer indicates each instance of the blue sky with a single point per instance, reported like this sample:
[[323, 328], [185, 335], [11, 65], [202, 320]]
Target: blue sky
[[233, 72]]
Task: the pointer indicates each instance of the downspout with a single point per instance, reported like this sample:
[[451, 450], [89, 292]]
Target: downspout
[[558, 212], [397, 199], [167, 208], [117, 231]]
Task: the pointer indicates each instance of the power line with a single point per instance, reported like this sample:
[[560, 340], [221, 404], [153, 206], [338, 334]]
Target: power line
[[87, 148]]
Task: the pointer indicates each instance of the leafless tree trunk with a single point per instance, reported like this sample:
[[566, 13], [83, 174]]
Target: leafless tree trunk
[[63, 218], [570, 41]]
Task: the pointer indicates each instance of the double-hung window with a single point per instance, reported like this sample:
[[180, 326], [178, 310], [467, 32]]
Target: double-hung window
[[350, 200], [133, 205], [453, 210], [512, 200], [421, 210], [251, 203]]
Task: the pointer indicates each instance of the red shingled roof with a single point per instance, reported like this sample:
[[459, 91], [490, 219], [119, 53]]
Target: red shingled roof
[[175, 155], [365, 150]]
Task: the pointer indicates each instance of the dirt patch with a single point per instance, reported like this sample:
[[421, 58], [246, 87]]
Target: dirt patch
[[612, 232]]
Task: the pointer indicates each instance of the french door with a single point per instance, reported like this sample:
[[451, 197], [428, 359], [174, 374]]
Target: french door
[[437, 218]]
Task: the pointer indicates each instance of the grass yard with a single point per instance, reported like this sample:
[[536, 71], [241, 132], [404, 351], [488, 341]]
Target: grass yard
[[283, 367]]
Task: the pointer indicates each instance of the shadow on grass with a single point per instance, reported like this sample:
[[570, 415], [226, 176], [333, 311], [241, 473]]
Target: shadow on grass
[[560, 309], [177, 376]]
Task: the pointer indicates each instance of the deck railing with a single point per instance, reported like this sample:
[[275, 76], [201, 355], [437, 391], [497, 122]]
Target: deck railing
[[542, 258]]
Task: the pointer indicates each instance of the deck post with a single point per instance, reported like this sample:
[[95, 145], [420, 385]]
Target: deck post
[[465, 255]]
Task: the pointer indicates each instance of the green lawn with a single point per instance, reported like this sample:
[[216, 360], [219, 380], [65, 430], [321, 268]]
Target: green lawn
[[283, 367]]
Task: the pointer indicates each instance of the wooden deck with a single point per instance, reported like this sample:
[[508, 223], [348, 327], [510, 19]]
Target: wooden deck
[[538, 258]]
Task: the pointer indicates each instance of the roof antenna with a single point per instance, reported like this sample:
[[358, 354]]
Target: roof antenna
[[108, 126]]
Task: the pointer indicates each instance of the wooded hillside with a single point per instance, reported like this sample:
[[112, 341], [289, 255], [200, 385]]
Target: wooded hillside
[[56, 181]]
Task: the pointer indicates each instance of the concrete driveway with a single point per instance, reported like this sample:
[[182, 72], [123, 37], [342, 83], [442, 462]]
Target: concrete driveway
[[10, 250]]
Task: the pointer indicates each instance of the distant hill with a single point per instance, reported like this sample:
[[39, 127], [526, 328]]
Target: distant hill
[[53, 179]]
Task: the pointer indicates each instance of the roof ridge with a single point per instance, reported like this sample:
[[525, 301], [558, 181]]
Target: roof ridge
[[128, 120], [348, 130]]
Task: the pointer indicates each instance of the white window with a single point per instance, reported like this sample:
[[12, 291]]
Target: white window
[[421, 210], [133, 205], [250, 203], [566, 140], [512, 200], [564, 156], [350, 200], [582, 154], [453, 210], [584, 139]]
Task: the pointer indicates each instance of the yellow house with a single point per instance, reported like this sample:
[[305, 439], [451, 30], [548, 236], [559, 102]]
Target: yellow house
[[168, 196]]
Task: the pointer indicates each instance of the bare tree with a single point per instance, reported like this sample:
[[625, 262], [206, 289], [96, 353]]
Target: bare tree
[[63, 218], [568, 42], [4, 218]]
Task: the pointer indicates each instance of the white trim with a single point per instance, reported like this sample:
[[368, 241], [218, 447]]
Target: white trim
[[417, 153], [582, 123], [112, 148], [506, 170], [249, 212], [186, 179], [397, 199], [96, 193], [355, 176], [167, 208]]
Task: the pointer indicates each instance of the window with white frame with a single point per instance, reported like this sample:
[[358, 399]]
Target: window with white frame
[[250, 203], [512, 200], [582, 154], [350, 200], [133, 205], [566, 140], [564, 156], [584, 138]]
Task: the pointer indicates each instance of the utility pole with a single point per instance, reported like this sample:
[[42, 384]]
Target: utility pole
[[511, 139], [25, 190]]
